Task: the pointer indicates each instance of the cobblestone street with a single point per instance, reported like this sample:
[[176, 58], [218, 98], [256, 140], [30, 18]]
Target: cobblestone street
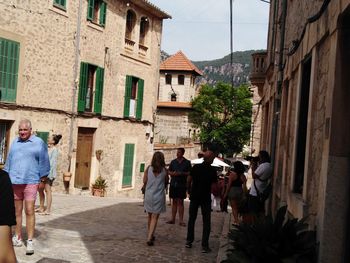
[[92, 229]]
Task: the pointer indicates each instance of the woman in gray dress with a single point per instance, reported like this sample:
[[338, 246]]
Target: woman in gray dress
[[155, 180]]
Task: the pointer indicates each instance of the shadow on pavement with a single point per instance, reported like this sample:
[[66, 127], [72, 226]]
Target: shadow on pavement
[[117, 233]]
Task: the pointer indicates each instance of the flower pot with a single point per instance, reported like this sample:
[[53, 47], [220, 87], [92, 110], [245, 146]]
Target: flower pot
[[67, 176], [98, 192]]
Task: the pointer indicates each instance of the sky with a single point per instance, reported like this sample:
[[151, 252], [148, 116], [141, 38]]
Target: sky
[[201, 28]]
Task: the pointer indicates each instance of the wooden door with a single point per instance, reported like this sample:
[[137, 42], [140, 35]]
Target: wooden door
[[83, 161]]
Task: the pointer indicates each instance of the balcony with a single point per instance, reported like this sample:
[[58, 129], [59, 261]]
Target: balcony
[[258, 70], [129, 44]]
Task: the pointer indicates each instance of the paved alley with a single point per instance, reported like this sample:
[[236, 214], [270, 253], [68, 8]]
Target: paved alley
[[92, 229]]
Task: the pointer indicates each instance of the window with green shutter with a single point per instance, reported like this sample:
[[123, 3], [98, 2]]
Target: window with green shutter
[[60, 4], [128, 164], [133, 99], [43, 135], [96, 11], [9, 60], [90, 88], [99, 90]]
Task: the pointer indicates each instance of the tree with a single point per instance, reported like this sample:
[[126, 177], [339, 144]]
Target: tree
[[223, 114]]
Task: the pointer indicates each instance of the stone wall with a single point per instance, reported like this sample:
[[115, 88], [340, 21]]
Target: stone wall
[[173, 126], [48, 81]]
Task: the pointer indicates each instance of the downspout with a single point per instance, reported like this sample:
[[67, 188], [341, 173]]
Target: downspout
[[75, 84], [277, 106]]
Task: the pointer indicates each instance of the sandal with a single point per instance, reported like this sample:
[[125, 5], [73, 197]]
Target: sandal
[[182, 224], [170, 222]]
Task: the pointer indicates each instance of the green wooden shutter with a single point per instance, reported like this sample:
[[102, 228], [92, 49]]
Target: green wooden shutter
[[43, 135], [9, 59], [82, 86], [90, 10], [128, 87], [103, 10], [61, 3], [139, 99], [128, 164], [99, 90]]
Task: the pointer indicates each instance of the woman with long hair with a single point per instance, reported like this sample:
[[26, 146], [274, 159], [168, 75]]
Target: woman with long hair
[[45, 188], [235, 187], [155, 180]]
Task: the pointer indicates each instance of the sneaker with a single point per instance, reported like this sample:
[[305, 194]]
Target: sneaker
[[188, 244], [16, 242], [206, 250], [30, 247]]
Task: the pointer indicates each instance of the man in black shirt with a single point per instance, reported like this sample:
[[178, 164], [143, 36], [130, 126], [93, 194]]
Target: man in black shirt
[[199, 182], [7, 218]]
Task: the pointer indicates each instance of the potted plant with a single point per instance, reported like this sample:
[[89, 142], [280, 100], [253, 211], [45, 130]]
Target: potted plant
[[273, 240], [99, 187]]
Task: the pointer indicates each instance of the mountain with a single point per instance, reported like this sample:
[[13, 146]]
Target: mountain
[[220, 69]]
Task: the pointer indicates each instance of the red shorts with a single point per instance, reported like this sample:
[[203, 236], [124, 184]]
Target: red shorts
[[25, 192]]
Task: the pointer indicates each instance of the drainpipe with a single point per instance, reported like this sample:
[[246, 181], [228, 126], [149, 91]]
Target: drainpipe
[[277, 106], [75, 83]]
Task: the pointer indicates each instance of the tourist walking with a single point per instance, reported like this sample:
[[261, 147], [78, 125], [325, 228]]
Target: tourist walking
[[179, 169], [236, 188], [27, 164], [155, 180], [7, 219], [199, 182], [45, 189]]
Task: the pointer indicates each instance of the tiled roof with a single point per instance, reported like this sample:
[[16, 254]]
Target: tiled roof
[[179, 62], [174, 104], [152, 8]]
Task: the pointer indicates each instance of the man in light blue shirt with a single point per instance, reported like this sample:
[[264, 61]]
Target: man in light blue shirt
[[27, 164]]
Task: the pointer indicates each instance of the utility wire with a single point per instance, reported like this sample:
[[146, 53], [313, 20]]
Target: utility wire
[[231, 40]]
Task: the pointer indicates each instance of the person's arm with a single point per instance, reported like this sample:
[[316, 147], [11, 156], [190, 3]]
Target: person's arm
[[44, 162], [53, 164], [8, 160], [189, 183], [7, 253], [166, 178], [145, 176]]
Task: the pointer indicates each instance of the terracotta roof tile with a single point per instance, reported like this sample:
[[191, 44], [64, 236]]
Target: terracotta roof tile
[[174, 104], [179, 62]]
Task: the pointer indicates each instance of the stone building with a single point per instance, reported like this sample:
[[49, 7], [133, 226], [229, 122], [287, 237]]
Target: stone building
[[306, 117], [89, 70], [177, 87]]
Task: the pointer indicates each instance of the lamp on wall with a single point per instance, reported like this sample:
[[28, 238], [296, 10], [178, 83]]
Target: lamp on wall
[[149, 131]]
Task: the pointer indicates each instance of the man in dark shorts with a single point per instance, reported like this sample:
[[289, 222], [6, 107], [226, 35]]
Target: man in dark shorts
[[179, 169], [199, 183], [7, 218]]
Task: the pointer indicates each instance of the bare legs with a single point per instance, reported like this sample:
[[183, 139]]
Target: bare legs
[[46, 191], [152, 224], [30, 217], [7, 253], [177, 206], [48, 198], [234, 206], [41, 199]]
